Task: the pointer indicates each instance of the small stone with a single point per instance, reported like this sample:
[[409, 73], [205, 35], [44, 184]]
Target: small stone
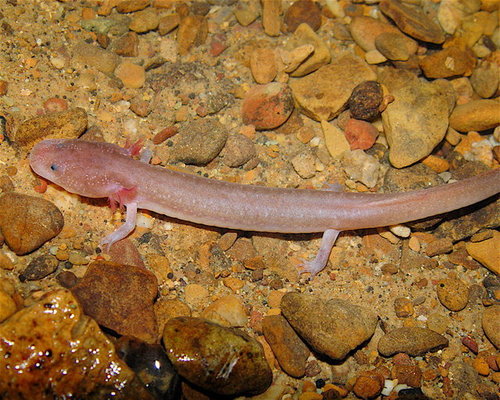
[[168, 23], [67, 279], [361, 167], [451, 61], [450, 15], [227, 240], [132, 75], [39, 268], [126, 45], [129, 6], [453, 294], [412, 21], [103, 60], [271, 20], [491, 324], [471, 344], [195, 295], [246, 12], [365, 100], [438, 322], [8, 306], [55, 104], [120, 297], [486, 252], [27, 222], [439, 246], [165, 134], [303, 11], [144, 21], [228, 311], [200, 141], [481, 366], [333, 327], [413, 341], [436, 163], [410, 375], [335, 140], [485, 79], [224, 361], [4, 85], [289, 349], [267, 106], [369, 384], [360, 134], [166, 309], [304, 164], [238, 151], [394, 46], [403, 307], [192, 32], [476, 115], [373, 57], [263, 65]]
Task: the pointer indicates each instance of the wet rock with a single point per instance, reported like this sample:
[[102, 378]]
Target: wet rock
[[132, 75], [450, 15], [486, 252], [67, 279], [303, 11], [7, 306], [39, 268], [271, 20], [361, 167], [304, 164], [27, 222], [413, 341], [476, 115], [267, 106], [200, 141], [238, 150], [453, 294], [221, 360], [102, 60], [369, 384], [192, 32], [168, 23], [393, 46], [323, 94], [485, 79], [410, 375], [412, 21], [439, 246], [166, 309], [289, 349], [227, 311], [246, 12], [333, 327], [263, 65], [451, 61], [491, 324], [126, 45], [120, 297], [360, 134], [403, 307], [144, 21], [53, 335], [365, 100], [65, 124]]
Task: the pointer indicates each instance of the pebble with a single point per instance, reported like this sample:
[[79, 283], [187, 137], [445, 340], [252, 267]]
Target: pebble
[[39, 268], [438, 322], [449, 62], [193, 31], [335, 140], [289, 349], [361, 167], [410, 375], [491, 324], [453, 294], [28, 222], [7, 306], [360, 134], [322, 94], [227, 311], [271, 19], [450, 15], [4, 86], [224, 361], [485, 79], [263, 65], [366, 100], [369, 384], [120, 297], [486, 252], [126, 45], [333, 328], [471, 344], [395, 46], [304, 164], [67, 279], [302, 11], [411, 139], [413, 21], [144, 21], [238, 151], [439, 246], [195, 295], [246, 12], [476, 115], [102, 60], [436, 163], [413, 341], [55, 104], [481, 366], [53, 335], [403, 307], [166, 309], [267, 106], [168, 23], [65, 124], [132, 75], [199, 141], [130, 6]]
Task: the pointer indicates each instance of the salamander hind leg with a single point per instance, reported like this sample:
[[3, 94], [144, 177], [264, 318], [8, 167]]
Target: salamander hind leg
[[319, 263], [123, 231]]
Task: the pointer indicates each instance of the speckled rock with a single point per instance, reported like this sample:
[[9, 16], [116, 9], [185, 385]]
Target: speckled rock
[[65, 124], [238, 151], [476, 115], [126, 45], [28, 222], [53, 335], [263, 65], [120, 297], [144, 21], [453, 294], [485, 79], [96, 57], [451, 61], [271, 18], [200, 141], [365, 100], [369, 384], [323, 94], [360, 134], [221, 360], [361, 167], [304, 164], [246, 12], [486, 252], [333, 327], [413, 341], [491, 324], [289, 349], [267, 106], [303, 11], [39, 268]]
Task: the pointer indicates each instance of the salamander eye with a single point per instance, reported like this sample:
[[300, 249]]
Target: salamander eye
[[54, 167]]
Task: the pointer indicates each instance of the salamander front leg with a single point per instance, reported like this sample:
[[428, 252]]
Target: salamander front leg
[[123, 231], [319, 263]]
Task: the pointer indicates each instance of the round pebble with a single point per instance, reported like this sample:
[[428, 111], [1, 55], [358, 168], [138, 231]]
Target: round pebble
[[132, 76], [263, 65], [360, 134], [477, 115], [238, 150], [453, 294], [368, 385], [365, 100]]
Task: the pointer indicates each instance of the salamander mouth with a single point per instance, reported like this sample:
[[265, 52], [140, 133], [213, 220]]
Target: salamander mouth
[[39, 156]]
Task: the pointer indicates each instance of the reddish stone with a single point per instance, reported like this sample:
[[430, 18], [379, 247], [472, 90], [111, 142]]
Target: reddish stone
[[360, 134], [303, 11]]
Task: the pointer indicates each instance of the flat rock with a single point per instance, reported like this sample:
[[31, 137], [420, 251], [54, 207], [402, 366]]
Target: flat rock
[[53, 335], [486, 252], [476, 115], [289, 349], [263, 65], [39, 268], [102, 60], [271, 18], [224, 361], [144, 21], [303, 11], [335, 141], [334, 327], [416, 121], [360, 134], [120, 297], [395, 46], [453, 293], [413, 341], [361, 167], [491, 324], [413, 21], [27, 222], [132, 75], [449, 62], [323, 94], [485, 79]]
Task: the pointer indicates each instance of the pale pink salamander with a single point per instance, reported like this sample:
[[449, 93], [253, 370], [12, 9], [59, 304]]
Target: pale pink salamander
[[93, 169]]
